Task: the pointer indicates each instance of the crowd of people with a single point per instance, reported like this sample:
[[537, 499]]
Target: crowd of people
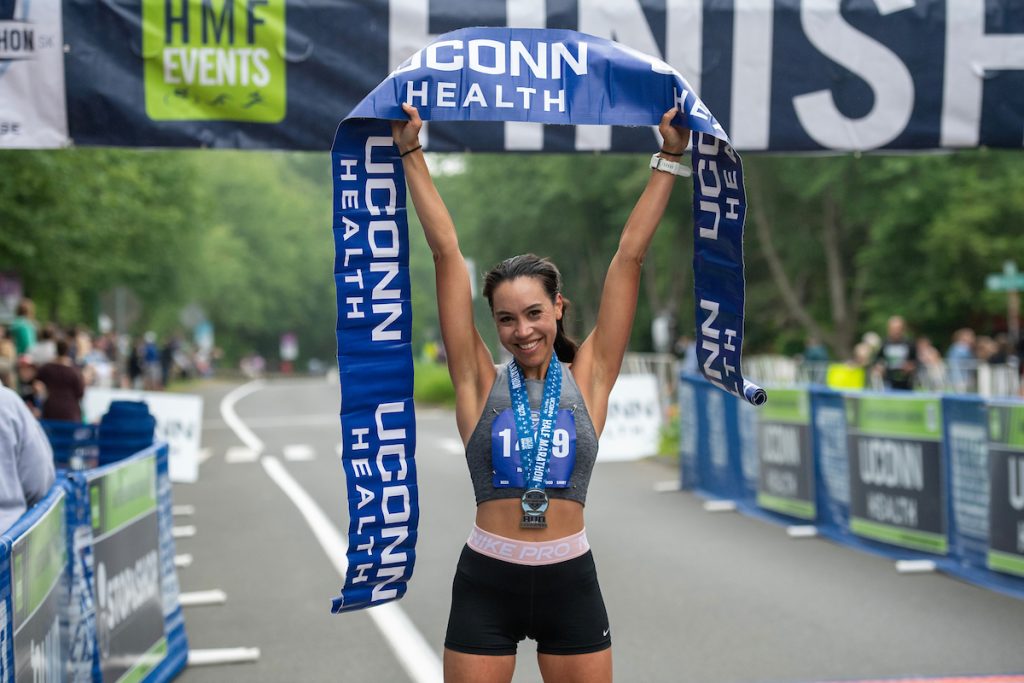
[[899, 361], [49, 366]]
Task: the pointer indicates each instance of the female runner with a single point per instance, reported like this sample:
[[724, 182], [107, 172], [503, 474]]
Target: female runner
[[527, 570]]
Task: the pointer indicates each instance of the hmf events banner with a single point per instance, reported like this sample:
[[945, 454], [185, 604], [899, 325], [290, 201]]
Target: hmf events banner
[[786, 75], [32, 101], [482, 74]]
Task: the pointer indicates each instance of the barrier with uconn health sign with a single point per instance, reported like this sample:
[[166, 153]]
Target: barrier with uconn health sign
[[88, 589], [900, 474]]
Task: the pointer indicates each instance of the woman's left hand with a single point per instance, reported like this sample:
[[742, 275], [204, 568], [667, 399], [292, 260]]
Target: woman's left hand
[[676, 137]]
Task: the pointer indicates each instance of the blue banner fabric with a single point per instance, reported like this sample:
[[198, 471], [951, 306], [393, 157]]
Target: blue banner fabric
[[494, 74]]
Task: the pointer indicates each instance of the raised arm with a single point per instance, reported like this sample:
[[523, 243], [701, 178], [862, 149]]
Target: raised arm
[[470, 363], [599, 358]]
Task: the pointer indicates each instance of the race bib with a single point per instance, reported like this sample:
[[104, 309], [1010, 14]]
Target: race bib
[[508, 466]]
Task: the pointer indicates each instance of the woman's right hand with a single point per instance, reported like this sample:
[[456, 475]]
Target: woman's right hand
[[407, 133]]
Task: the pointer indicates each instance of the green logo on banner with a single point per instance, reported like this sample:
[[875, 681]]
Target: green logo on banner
[[214, 60]]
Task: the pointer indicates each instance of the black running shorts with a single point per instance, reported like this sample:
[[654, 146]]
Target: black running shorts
[[496, 604]]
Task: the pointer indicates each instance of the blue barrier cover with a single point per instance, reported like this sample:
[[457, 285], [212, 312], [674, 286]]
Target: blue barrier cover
[[719, 469], [79, 622], [689, 433], [33, 592]]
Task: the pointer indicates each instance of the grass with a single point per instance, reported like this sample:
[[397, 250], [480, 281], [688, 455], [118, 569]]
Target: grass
[[433, 386]]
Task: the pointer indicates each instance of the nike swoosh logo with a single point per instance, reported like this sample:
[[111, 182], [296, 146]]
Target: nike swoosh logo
[[606, 632]]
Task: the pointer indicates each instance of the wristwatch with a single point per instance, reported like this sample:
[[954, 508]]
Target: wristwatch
[[659, 163]]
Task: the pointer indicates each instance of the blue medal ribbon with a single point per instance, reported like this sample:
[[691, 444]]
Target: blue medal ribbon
[[535, 445]]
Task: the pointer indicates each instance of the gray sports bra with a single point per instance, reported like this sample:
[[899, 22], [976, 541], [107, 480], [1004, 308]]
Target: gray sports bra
[[492, 457]]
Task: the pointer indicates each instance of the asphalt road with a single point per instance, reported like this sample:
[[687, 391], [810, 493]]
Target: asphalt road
[[692, 596]]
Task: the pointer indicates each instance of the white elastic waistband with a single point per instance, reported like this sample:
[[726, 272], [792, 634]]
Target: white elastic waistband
[[528, 552]]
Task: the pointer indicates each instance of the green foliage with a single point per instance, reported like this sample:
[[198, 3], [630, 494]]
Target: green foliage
[[433, 385], [247, 237]]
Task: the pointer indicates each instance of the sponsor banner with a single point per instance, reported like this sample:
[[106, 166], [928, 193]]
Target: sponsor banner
[[32, 102], [897, 487], [719, 468], [1006, 488], [214, 61], [785, 481], [633, 428], [179, 422], [127, 578], [790, 75], [38, 586]]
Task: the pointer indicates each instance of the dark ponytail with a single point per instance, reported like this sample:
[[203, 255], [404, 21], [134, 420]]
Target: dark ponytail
[[530, 265]]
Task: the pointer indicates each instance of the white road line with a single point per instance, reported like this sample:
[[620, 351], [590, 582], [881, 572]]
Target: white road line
[[237, 454], [186, 531], [452, 446], [202, 598], [183, 560], [227, 412], [183, 510], [204, 455], [415, 655], [298, 452]]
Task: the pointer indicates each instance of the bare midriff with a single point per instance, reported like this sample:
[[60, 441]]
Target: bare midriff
[[502, 516]]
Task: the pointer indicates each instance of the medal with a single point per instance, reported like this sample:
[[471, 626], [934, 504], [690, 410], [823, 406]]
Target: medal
[[535, 508], [535, 446]]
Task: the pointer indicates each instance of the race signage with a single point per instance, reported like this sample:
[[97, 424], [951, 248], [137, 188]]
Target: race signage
[[1006, 487], [39, 583], [785, 481], [214, 61], [179, 422], [787, 75], [633, 427], [127, 576], [32, 99], [897, 492]]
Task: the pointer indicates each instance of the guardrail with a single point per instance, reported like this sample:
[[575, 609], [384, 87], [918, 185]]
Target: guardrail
[[88, 589], [906, 475]]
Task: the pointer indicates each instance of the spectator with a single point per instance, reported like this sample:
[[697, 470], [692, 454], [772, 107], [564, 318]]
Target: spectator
[[64, 387], [45, 349], [897, 358], [135, 365], [815, 360], [26, 459], [931, 372], [685, 350], [30, 389], [8, 358], [961, 361], [151, 362], [23, 327]]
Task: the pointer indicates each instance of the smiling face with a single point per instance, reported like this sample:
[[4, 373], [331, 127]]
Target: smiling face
[[527, 322]]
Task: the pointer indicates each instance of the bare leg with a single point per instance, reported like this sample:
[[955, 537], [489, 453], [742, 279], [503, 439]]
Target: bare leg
[[595, 667], [460, 667]]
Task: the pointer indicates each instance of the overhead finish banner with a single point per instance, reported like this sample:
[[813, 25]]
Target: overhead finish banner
[[32, 113], [782, 75]]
